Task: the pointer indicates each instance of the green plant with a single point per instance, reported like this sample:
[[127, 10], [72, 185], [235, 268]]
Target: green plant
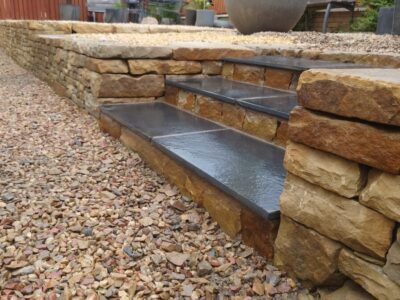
[[120, 4], [198, 4], [369, 19]]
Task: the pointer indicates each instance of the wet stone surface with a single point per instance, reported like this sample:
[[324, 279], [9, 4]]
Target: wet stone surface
[[78, 222]]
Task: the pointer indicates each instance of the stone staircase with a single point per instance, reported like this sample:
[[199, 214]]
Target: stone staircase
[[220, 141]]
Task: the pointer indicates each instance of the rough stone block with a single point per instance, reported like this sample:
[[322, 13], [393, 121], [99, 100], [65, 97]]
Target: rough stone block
[[208, 108], [383, 194], [103, 101], [212, 67], [171, 95], [107, 65], [122, 86], [110, 126], [369, 276], [307, 254], [86, 27], [367, 144], [349, 291], [227, 70], [281, 137], [367, 94], [260, 125], [392, 267], [186, 100], [336, 217], [233, 115], [251, 74], [324, 169], [146, 66], [278, 78]]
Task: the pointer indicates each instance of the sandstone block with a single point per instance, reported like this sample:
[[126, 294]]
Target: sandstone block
[[212, 67], [227, 70], [260, 125], [392, 267], [122, 86], [349, 291], [383, 194], [107, 66], [367, 94], [281, 137], [233, 115], [208, 108], [307, 254], [171, 94], [371, 145], [208, 51], [369, 276], [138, 67], [324, 169], [86, 27], [278, 78], [186, 100], [336, 217], [251, 74], [125, 100], [110, 126]]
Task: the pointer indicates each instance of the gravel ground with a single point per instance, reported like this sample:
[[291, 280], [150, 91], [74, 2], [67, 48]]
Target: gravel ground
[[84, 218], [346, 42]]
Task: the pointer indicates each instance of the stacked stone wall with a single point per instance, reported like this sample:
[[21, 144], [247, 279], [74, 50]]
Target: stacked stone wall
[[341, 203]]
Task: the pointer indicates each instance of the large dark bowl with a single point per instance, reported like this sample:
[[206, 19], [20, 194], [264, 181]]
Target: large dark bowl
[[250, 16]]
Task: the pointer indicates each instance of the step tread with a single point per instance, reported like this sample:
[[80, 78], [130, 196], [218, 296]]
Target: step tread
[[269, 100], [291, 63], [157, 119], [246, 168]]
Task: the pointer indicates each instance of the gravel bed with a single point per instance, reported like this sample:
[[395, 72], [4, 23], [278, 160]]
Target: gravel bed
[[345, 42], [82, 217]]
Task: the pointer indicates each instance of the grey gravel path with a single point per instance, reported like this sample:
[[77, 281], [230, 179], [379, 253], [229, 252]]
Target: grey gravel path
[[82, 217]]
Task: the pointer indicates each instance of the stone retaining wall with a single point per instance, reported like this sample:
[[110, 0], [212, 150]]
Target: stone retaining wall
[[341, 203]]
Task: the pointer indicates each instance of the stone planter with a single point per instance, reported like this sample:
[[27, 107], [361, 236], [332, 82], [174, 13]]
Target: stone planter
[[190, 16], [205, 17], [252, 16]]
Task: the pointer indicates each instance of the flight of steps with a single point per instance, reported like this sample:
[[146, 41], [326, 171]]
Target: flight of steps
[[218, 140]]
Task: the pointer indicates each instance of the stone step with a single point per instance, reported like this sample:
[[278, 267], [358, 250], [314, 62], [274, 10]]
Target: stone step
[[276, 71], [246, 169], [290, 63], [274, 102]]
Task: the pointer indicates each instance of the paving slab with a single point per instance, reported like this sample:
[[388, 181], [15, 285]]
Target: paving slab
[[279, 106], [291, 63], [157, 119], [248, 169]]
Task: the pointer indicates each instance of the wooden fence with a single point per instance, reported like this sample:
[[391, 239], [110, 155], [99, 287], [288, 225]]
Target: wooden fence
[[37, 9]]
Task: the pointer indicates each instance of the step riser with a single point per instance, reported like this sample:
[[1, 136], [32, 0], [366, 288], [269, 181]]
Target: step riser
[[233, 217], [264, 76], [254, 123]]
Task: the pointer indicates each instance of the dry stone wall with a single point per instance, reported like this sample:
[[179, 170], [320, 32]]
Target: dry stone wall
[[341, 203]]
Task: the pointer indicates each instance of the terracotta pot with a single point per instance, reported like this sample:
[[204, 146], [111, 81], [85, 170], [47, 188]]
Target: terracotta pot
[[252, 16]]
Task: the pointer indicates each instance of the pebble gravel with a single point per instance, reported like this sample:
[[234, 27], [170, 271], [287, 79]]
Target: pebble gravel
[[82, 217]]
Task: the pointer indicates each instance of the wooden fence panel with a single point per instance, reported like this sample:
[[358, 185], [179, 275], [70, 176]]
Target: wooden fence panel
[[37, 9]]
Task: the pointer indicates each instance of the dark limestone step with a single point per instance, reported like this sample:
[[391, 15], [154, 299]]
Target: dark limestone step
[[290, 63], [243, 167], [275, 102]]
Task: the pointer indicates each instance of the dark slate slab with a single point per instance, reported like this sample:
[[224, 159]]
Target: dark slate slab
[[226, 90], [248, 169], [291, 63], [279, 107], [157, 119]]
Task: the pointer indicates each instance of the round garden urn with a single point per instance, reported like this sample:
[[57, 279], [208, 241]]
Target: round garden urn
[[250, 16]]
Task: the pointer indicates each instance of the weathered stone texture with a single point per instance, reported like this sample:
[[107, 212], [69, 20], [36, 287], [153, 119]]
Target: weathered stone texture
[[186, 100], [107, 65], [278, 78], [349, 291], [251, 74], [324, 169], [260, 125], [212, 67], [110, 126], [307, 254], [368, 94], [281, 137], [369, 276], [86, 27], [383, 194], [208, 108], [158, 66], [371, 145], [392, 267], [227, 70], [121, 86], [233, 115], [171, 94], [336, 217]]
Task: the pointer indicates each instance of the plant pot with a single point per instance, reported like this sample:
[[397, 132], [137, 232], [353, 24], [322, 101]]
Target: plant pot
[[205, 17], [252, 16], [116, 15], [69, 12], [190, 15]]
